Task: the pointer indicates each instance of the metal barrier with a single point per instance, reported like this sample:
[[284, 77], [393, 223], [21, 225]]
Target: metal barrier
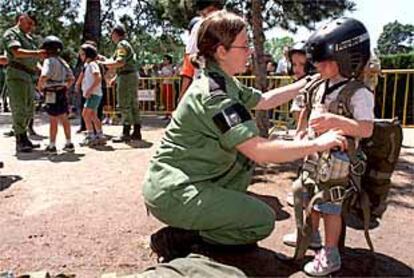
[[394, 97]]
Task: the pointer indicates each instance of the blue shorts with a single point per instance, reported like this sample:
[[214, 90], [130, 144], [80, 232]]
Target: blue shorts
[[328, 208], [93, 102]]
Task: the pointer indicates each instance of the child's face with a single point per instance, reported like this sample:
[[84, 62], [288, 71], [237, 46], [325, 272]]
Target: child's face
[[82, 55], [298, 64], [328, 69]]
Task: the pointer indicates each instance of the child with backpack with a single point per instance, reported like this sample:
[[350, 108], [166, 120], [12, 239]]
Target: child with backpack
[[92, 92], [339, 51], [55, 79]]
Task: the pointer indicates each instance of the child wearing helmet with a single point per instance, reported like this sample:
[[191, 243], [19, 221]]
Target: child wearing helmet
[[339, 50], [55, 79]]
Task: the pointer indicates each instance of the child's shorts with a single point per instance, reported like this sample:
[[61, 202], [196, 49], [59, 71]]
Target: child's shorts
[[56, 102], [93, 102], [328, 208]]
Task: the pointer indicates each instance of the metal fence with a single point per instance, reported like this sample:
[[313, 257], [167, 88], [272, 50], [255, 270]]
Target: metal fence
[[394, 97]]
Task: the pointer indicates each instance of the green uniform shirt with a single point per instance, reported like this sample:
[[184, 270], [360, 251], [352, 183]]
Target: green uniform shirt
[[198, 148], [14, 37], [125, 53]]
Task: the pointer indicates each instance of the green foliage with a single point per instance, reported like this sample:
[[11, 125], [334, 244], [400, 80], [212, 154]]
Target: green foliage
[[274, 46], [398, 61], [396, 38]]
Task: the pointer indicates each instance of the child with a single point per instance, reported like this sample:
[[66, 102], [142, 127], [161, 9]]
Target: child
[[92, 92], [55, 79], [339, 52]]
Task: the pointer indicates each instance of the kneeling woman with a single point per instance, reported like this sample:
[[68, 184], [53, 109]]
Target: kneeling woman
[[198, 178]]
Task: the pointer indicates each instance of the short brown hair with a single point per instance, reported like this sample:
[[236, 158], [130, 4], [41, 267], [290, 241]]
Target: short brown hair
[[219, 28]]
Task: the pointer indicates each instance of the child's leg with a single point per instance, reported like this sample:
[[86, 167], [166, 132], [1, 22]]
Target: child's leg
[[66, 127], [53, 130], [96, 122], [315, 216], [87, 116], [333, 228]]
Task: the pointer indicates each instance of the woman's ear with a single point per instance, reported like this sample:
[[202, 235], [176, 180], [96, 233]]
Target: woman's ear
[[220, 52]]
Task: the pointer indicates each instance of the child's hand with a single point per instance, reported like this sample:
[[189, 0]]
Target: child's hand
[[324, 122]]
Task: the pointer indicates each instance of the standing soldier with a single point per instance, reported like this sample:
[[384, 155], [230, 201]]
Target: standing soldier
[[124, 61], [20, 76]]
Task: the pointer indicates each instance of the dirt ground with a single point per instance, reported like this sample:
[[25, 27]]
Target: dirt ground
[[83, 213]]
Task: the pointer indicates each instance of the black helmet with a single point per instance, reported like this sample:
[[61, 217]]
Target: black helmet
[[202, 4], [52, 44], [344, 40]]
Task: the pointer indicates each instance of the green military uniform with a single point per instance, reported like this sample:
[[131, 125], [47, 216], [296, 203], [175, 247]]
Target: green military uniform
[[20, 78], [127, 83], [197, 179]]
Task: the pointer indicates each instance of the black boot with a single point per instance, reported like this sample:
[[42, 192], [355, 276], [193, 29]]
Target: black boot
[[28, 142], [125, 136], [21, 145], [136, 134], [30, 129]]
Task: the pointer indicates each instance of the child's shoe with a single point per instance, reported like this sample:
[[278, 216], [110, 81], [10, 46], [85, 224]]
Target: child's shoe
[[290, 240], [326, 261], [69, 147], [100, 139], [88, 141], [51, 149]]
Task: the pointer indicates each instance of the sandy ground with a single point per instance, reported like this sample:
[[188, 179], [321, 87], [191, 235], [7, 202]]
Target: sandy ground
[[83, 213]]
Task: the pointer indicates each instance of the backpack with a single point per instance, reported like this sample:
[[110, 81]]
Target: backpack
[[381, 152]]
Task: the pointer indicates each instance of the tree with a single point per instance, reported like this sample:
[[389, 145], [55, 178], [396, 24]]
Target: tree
[[92, 26], [274, 46], [396, 38]]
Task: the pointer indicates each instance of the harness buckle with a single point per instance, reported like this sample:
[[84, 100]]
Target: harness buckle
[[337, 193], [358, 168]]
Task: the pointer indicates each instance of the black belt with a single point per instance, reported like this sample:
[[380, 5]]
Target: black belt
[[126, 72], [21, 67]]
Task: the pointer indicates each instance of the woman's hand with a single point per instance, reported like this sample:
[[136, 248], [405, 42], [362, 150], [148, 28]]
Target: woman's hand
[[330, 140]]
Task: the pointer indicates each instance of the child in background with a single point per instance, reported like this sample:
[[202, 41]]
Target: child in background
[[92, 92], [55, 79]]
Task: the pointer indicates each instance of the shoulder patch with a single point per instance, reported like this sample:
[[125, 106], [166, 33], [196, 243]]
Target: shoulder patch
[[231, 117], [121, 51], [216, 82]]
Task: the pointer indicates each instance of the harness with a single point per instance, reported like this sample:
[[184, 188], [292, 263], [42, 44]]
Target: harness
[[345, 190]]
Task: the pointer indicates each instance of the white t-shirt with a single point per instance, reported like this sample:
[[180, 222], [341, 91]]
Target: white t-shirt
[[283, 66], [191, 47], [91, 68], [361, 105]]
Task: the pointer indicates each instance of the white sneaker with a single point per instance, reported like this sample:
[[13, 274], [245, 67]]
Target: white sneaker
[[324, 263], [290, 240]]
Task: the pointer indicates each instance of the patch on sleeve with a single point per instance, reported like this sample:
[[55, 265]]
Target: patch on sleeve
[[231, 117], [121, 52]]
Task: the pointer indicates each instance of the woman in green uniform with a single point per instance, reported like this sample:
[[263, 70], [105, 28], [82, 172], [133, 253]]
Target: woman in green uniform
[[197, 180]]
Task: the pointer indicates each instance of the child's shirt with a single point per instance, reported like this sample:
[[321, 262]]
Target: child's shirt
[[57, 72], [361, 104], [89, 76]]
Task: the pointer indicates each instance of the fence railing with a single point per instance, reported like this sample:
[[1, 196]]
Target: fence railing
[[394, 96]]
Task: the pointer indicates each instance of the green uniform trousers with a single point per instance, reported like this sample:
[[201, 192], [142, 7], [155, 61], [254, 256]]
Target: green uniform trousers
[[127, 85], [21, 94], [224, 215], [194, 265]]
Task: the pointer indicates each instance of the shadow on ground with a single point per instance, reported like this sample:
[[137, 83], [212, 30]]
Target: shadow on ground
[[41, 155], [7, 181]]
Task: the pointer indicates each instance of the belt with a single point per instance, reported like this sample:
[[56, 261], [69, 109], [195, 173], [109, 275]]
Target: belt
[[126, 72], [21, 67]]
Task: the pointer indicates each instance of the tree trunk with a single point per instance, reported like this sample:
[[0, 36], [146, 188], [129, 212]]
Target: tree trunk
[[92, 26], [262, 118]]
